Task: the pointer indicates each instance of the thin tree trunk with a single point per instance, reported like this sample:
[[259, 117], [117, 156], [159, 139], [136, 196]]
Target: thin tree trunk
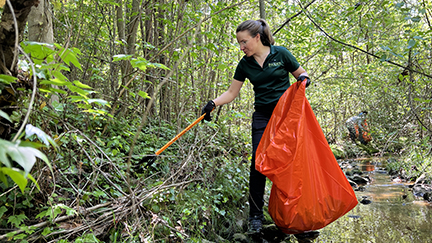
[[40, 29], [262, 9]]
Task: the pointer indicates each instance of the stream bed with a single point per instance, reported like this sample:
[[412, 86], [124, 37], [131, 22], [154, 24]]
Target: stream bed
[[389, 213]]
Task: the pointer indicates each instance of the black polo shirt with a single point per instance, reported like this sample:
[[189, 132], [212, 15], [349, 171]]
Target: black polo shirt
[[271, 80]]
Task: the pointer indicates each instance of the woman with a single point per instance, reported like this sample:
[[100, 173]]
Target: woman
[[267, 67]]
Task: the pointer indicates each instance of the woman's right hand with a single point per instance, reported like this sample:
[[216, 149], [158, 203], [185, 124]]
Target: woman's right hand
[[209, 107]]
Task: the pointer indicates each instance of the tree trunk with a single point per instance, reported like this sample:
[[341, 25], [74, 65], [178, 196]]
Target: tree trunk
[[40, 27], [7, 32], [8, 52]]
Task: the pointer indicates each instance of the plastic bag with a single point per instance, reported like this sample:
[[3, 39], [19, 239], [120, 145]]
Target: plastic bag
[[309, 189]]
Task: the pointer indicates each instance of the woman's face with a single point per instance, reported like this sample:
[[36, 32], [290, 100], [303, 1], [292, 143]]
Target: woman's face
[[248, 44]]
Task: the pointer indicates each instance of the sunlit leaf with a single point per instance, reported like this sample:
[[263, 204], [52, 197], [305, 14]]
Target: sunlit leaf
[[55, 81], [144, 94], [39, 52], [60, 91], [24, 156], [121, 57], [31, 130], [98, 101], [5, 115], [69, 56], [16, 175], [6, 79], [160, 65], [140, 63], [423, 100], [34, 181], [81, 85], [80, 91]]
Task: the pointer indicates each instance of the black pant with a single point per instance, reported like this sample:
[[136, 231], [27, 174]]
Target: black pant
[[256, 179]]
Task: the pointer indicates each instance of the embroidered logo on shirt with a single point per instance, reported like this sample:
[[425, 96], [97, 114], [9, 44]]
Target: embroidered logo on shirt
[[275, 64]]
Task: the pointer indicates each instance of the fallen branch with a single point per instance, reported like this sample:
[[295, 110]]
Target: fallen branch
[[57, 220]]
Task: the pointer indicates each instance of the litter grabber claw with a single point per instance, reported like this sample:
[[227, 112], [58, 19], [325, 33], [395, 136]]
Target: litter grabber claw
[[150, 159]]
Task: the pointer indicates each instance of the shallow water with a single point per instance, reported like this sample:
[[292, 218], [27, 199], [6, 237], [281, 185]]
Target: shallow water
[[394, 215]]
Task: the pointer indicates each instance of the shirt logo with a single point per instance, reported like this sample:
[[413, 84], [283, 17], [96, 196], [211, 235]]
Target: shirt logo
[[275, 64]]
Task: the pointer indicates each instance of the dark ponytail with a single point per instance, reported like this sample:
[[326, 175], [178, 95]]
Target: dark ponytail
[[255, 27]]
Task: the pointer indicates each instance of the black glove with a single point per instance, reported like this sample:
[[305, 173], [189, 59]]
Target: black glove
[[207, 109], [302, 78]]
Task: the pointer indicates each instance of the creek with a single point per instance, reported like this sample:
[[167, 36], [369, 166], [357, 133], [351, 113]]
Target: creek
[[391, 212]]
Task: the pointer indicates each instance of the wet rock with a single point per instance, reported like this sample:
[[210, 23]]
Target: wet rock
[[427, 196], [345, 164], [397, 179], [359, 179], [381, 171], [352, 183], [365, 200], [360, 189], [420, 190], [421, 179]]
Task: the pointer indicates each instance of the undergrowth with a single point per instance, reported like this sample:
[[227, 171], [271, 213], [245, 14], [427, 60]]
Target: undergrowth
[[196, 189]]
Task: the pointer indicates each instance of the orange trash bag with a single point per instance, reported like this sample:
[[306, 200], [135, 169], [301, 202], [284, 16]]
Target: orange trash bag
[[309, 189]]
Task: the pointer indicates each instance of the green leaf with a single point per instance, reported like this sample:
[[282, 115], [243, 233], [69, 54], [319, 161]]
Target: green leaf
[[36, 145], [144, 94], [16, 220], [42, 214], [34, 181], [98, 101], [17, 176], [5, 115], [31, 130], [140, 63], [423, 100], [416, 19], [69, 56], [46, 231], [55, 81], [81, 85], [59, 75], [385, 48], [411, 43], [3, 177], [39, 52], [57, 90], [24, 156], [160, 65], [69, 211], [3, 210], [6, 79], [121, 57], [78, 90]]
